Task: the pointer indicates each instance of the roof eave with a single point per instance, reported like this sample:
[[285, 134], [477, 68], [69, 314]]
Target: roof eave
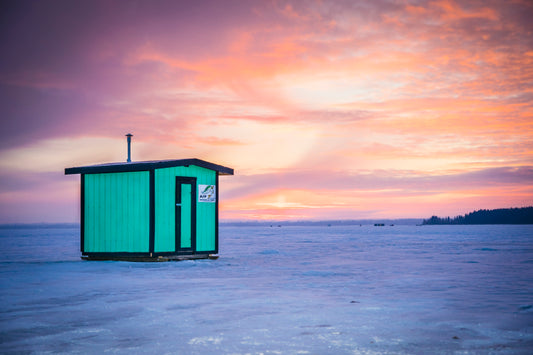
[[145, 166]]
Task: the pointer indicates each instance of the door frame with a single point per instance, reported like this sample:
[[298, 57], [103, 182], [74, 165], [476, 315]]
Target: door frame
[[179, 181]]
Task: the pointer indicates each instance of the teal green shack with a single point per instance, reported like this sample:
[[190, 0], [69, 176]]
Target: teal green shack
[[149, 210]]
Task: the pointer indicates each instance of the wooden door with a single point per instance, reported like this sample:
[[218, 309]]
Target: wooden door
[[185, 214]]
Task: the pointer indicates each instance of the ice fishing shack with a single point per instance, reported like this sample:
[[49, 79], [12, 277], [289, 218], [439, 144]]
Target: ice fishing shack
[[149, 210]]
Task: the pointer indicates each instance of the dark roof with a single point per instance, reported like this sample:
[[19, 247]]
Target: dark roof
[[146, 165]]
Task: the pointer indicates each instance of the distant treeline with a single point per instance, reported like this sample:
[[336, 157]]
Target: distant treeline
[[522, 215]]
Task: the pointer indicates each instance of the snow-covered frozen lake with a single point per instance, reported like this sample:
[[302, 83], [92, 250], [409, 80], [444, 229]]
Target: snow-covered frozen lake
[[288, 290]]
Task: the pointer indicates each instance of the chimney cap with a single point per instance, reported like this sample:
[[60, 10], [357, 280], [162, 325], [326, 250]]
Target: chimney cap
[[129, 135]]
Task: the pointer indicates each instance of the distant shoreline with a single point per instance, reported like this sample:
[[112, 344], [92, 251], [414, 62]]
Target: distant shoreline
[[254, 223], [39, 225], [310, 223], [244, 223], [521, 215]]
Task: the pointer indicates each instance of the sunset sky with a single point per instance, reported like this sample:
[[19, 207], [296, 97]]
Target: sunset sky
[[325, 109]]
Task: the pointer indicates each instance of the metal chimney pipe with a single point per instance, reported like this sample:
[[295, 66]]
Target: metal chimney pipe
[[129, 135]]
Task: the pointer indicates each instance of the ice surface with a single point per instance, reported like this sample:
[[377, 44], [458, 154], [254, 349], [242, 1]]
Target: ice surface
[[288, 290]]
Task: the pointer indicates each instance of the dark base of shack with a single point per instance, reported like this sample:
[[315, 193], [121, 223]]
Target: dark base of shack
[[147, 258]]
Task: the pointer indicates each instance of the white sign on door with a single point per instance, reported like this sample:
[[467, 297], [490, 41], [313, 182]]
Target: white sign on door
[[207, 193]]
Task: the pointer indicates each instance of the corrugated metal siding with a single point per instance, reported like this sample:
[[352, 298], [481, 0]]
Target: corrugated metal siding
[[165, 194], [117, 212]]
